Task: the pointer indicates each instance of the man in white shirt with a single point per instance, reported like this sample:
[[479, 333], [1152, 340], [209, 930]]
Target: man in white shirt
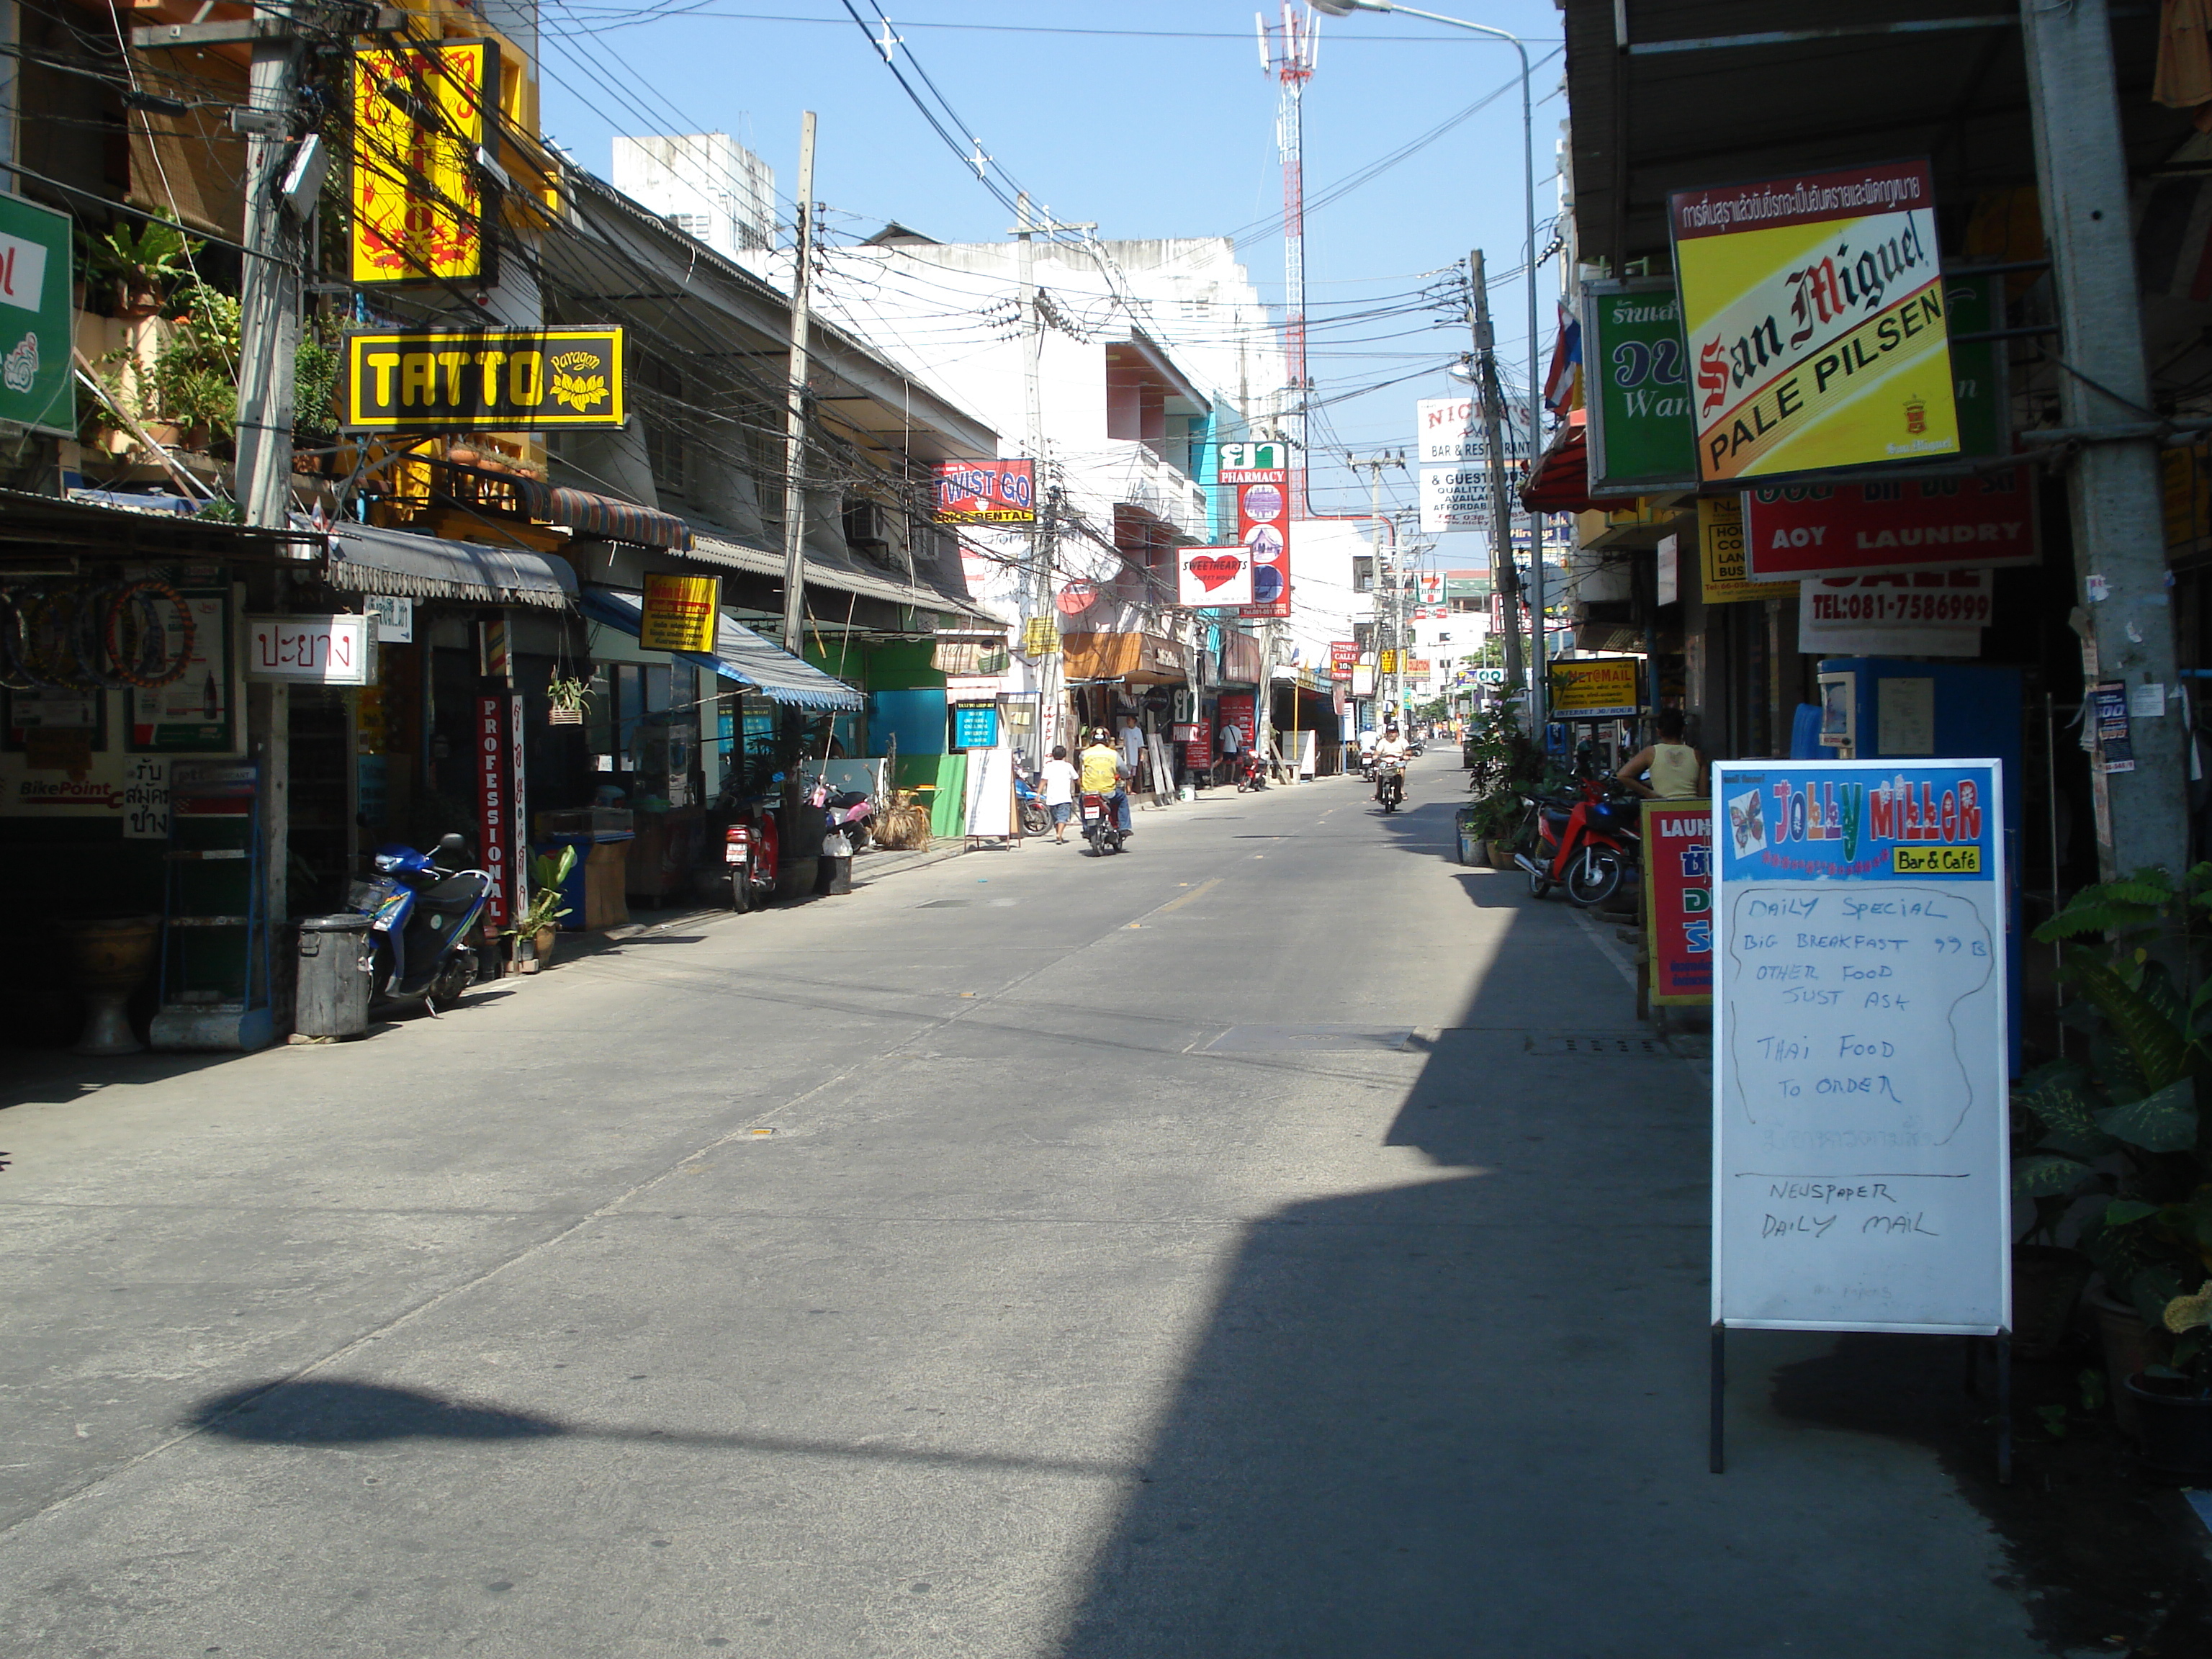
[[1059, 778], [1391, 746], [1232, 745]]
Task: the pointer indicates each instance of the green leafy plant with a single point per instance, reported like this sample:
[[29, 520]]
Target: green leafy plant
[[1507, 765], [195, 379], [142, 264], [316, 369], [2124, 1126], [549, 873], [570, 694]]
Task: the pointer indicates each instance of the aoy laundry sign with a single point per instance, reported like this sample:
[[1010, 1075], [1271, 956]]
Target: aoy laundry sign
[[1792, 532]]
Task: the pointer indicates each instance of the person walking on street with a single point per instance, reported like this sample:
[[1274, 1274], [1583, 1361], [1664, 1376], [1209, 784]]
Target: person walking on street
[[1103, 774], [1677, 771], [1058, 778]]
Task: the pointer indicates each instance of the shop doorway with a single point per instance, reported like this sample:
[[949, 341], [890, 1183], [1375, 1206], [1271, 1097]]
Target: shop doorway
[[319, 758]]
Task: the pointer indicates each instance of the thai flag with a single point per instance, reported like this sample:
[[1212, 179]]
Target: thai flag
[[1563, 385]]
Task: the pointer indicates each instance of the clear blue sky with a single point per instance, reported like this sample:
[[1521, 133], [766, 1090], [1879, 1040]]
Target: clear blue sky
[[1156, 121]]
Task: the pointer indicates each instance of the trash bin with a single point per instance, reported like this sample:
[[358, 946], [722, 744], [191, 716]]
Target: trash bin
[[332, 998]]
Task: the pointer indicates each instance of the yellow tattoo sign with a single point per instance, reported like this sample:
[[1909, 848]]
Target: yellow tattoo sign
[[496, 379]]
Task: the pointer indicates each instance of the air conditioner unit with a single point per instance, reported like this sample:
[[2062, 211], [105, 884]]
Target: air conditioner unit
[[867, 525]]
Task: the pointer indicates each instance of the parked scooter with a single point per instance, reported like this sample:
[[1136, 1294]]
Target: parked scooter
[[1037, 819], [1251, 774], [1100, 827], [751, 840], [1587, 842], [421, 906], [846, 812]]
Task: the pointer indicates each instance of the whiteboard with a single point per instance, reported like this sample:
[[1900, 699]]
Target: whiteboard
[[1860, 1168], [990, 803]]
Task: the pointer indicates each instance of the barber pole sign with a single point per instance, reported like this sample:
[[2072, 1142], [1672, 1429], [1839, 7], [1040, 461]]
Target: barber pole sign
[[494, 808]]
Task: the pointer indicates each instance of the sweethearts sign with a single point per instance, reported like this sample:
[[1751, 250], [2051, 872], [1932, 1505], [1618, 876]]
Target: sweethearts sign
[[1208, 576]]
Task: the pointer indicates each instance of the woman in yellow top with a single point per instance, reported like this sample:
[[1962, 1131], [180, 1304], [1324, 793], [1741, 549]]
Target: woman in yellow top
[[1677, 771]]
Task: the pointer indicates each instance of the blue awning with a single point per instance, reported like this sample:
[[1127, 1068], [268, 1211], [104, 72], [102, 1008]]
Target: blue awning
[[740, 655]]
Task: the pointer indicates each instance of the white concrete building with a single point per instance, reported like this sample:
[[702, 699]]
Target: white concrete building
[[705, 184]]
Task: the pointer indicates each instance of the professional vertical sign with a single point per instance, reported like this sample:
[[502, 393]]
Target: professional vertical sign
[[490, 759], [1816, 322], [1860, 1168], [1259, 474]]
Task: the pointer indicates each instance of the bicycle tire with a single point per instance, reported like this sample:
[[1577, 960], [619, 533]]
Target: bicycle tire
[[13, 676], [146, 679]]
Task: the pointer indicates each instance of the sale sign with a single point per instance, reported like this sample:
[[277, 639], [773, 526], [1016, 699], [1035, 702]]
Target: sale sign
[[1793, 531], [985, 492], [1259, 474], [1212, 575], [1678, 900], [1816, 322]]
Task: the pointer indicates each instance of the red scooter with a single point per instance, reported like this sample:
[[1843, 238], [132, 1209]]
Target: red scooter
[[1586, 842]]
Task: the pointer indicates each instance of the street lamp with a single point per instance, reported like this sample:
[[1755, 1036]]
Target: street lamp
[[1539, 698]]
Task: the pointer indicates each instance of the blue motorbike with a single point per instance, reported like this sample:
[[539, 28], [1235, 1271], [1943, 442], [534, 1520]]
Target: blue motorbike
[[421, 908]]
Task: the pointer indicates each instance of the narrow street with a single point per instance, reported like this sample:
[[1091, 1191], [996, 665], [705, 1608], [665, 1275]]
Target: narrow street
[[1212, 1251]]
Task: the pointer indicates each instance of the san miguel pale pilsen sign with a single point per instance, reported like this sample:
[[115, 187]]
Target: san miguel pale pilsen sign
[[1814, 314]]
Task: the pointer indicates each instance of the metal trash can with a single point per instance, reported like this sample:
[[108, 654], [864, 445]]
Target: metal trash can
[[332, 998]]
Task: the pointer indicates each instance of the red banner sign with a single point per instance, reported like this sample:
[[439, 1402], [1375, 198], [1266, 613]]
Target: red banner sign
[[985, 492], [494, 808], [1236, 710], [1678, 900], [1263, 525], [1846, 530], [1198, 746], [1343, 657]]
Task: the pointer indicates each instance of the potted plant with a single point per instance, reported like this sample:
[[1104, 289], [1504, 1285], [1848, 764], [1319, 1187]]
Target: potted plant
[[2121, 1131], [194, 383], [2174, 1400], [568, 698], [537, 928], [140, 266]]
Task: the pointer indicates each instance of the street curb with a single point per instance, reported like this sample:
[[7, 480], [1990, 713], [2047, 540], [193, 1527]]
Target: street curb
[[922, 861]]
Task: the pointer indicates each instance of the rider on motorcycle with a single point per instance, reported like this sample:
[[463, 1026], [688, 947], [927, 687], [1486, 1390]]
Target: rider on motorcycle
[[1391, 747], [1103, 770]]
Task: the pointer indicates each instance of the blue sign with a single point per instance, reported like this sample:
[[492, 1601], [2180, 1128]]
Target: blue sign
[[1860, 1175], [976, 726]]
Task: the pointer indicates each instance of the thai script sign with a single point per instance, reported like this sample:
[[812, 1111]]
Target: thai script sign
[[680, 613], [1860, 1168], [308, 650], [504, 380], [37, 387], [1792, 531], [1637, 367], [421, 114], [985, 492], [1815, 319], [1678, 900]]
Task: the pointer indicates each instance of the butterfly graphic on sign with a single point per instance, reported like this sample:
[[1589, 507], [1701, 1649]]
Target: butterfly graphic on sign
[[1209, 576]]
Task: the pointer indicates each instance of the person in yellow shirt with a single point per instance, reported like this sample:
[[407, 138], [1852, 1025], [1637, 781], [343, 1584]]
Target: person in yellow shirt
[[1103, 774], [1677, 771]]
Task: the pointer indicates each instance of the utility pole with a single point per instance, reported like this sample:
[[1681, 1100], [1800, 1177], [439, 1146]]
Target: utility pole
[[2104, 402], [1036, 580], [269, 290], [1386, 580], [795, 422], [1491, 397]]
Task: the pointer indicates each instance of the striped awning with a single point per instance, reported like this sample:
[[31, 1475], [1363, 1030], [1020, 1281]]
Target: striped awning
[[739, 654], [365, 559], [601, 516]]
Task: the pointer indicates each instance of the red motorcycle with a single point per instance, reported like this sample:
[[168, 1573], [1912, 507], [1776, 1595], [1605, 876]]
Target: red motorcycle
[[748, 858], [1586, 842]]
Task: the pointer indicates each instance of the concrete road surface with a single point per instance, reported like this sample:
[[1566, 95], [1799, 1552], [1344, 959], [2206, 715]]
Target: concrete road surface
[[1209, 1251]]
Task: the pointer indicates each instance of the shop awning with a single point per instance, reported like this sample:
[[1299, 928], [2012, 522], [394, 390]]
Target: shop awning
[[735, 556], [1140, 659], [739, 654], [602, 516], [1561, 481], [364, 559]]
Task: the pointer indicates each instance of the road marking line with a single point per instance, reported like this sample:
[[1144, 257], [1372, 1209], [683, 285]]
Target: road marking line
[[1198, 892]]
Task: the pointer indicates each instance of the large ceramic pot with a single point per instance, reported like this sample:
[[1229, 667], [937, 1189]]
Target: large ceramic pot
[[2176, 1437], [106, 958]]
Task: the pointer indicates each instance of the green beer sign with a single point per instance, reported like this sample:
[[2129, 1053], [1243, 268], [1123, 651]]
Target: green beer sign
[[36, 387], [1636, 378]]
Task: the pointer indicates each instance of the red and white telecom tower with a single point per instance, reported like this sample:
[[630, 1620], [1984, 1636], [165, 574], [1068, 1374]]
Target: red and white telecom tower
[[1287, 51]]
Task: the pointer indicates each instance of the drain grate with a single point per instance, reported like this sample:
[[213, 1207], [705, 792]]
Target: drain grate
[[1307, 1039], [1592, 1047]]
